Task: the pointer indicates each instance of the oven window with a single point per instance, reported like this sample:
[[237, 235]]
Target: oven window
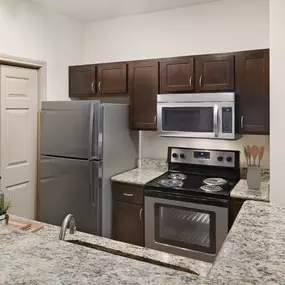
[[188, 119], [186, 228]]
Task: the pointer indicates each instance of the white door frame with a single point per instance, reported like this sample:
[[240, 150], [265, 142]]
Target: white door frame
[[41, 66]]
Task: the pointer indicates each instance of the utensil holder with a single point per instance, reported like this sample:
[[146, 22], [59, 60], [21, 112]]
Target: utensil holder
[[254, 177]]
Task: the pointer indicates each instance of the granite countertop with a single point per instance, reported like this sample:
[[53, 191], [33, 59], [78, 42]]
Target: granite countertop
[[149, 170], [196, 266], [35, 259], [138, 176], [26, 254], [253, 253], [241, 191]]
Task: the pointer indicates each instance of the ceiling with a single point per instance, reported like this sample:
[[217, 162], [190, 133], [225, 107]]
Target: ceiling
[[94, 10]]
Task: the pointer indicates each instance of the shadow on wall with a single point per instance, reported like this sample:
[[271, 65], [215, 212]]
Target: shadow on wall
[[155, 147]]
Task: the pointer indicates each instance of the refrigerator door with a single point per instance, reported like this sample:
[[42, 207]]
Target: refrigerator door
[[72, 129], [71, 186]]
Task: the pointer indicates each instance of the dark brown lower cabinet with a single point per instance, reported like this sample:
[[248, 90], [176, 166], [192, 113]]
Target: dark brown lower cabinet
[[128, 226], [235, 206], [128, 214]]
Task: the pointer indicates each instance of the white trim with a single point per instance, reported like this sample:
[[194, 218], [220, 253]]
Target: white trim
[[41, 66]]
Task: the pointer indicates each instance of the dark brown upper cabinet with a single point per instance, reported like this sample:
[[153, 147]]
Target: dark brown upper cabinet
[[214, 73], [144, 87], [252, 91], [82, 80], [112, 78], [177, 75]]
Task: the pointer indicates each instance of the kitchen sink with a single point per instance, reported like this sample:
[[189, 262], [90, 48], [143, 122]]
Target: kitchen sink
[[132, 256]]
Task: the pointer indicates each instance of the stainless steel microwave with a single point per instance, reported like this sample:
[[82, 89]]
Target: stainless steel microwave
[[203, 115]]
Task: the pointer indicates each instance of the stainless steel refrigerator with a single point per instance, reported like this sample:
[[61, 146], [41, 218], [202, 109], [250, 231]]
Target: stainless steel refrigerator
[[83, 144]]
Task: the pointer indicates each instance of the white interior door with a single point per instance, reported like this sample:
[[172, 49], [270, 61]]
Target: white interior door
[[18, 90]]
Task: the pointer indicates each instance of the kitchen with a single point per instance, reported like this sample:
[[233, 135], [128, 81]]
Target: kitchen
[[152, 148]]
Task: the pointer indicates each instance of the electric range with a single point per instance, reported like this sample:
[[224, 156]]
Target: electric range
[[187, 208]]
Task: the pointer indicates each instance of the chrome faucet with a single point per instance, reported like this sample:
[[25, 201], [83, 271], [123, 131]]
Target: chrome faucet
[[72, 228]]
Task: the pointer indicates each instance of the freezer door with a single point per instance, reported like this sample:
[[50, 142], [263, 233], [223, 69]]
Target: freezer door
[[72, 129], [71, 186]]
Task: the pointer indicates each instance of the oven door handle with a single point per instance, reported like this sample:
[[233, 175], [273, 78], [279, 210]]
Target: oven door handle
[[216, 120], [154, 194]]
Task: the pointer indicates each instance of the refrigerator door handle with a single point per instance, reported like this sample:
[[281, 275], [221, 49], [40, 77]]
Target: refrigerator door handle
[[96, 129], [95, 177], [91, 184], [91, 130]]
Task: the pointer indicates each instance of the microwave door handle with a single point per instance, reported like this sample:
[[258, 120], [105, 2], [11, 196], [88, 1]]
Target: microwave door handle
[[216, 126]]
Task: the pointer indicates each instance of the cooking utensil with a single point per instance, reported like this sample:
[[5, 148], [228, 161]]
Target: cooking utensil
[[248, 150], [254, 153], [260, 154], [246, 155]]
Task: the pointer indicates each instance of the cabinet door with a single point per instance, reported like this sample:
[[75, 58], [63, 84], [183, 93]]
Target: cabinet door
[[128, 223], [112, 78], [144, 87], [252, 89], [177, 74], [82, 80], [215, 73]]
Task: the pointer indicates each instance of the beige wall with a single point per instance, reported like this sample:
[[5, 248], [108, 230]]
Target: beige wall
[[31, 31], [153, 146], [277, 100], [222, 26]]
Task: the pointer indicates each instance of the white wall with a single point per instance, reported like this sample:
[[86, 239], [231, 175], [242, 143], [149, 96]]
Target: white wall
[[277, 100], [222, 26], [154, 146], [28, 30]]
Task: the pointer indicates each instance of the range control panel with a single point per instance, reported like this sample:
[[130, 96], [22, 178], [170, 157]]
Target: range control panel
[[222, 158]]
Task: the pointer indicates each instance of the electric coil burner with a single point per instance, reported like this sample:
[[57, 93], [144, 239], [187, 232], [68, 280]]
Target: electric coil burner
[[179, 176], [187, 208], [211, 188], [171, 182], [215, 181]]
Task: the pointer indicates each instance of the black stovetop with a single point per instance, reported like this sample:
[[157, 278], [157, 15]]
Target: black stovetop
[[191, 186]]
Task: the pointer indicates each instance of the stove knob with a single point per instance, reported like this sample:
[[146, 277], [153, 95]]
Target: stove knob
[[174, 155], [220, 158], [229, 159], [182, 156]]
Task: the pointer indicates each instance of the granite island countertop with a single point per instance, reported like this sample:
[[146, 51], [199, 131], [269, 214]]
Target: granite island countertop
[[34, 259], [253, 253]]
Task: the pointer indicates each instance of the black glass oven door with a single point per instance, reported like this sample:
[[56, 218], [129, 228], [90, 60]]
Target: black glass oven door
[[186, 228]]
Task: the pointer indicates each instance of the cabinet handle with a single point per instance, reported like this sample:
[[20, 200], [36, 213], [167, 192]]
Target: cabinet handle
[[141, 210], [241, 121], [200, 81], [92, 86], [190, 81], [155, 120], [128, 194], [99, 86]]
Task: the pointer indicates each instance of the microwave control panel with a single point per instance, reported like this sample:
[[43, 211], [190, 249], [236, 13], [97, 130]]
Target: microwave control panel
[[227, 120]]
